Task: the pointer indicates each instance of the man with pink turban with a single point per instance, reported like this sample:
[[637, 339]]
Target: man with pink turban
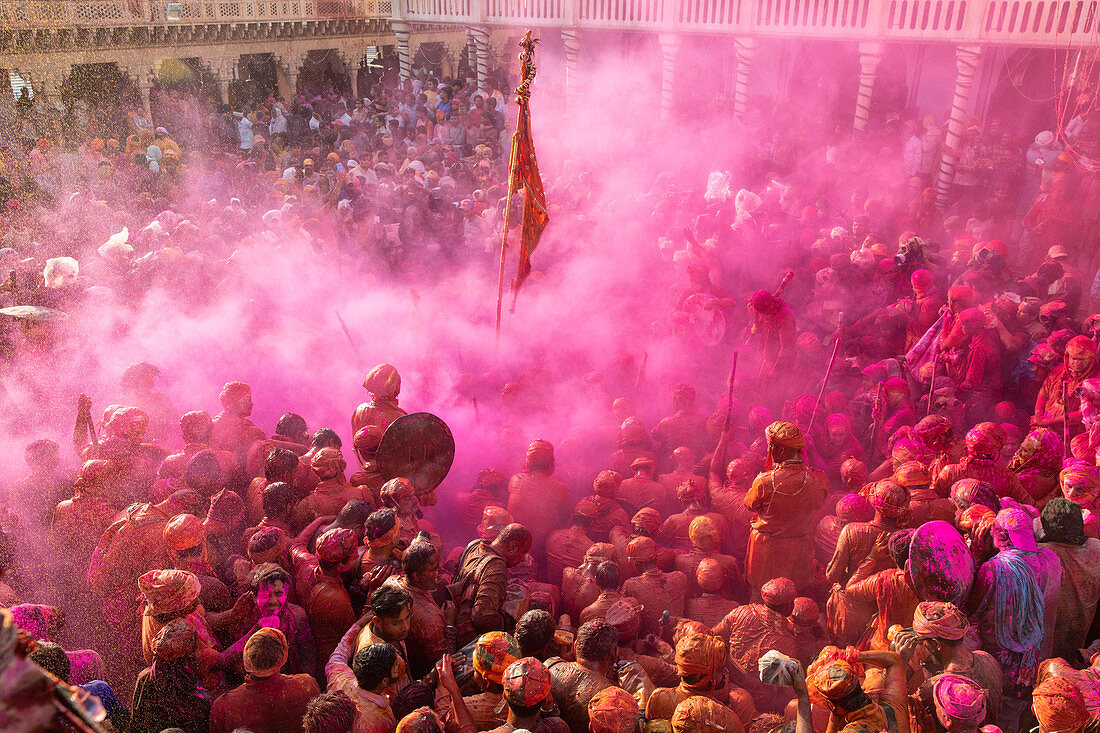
[[1051, 408], [984, 443], [232, 431], [383, 384]]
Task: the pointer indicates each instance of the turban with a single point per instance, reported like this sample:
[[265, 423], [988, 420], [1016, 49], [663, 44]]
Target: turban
[[227, 508], [709, 575], [176, 640], [622, 613], [265, 652], [383, 381], [985, 440], [806, 611], [1079, 481], [632, 432], [602, 552], [1041, 449], [897, 384], [912, 473], [1018, 527], [491, 478], [933, 427], [833, 680], [128, 421], [968, 491], [168, 591], [539, 453], [648, 519], [612, 710], [854, 508], [778, 592], [385, 538], [493, 653], [909, 450], [336, 545], [700, 654], [526, 682], [234, 392], [366, 439], [266, 545], [784, 434], [642, 549], [1059, 705], [975, 516], [183, 532], [586, 508], [689, 491], [889, 498], [939, 620], [853, 468], [493, 519], [961, 293], [972, 318], [646, 461], [397, 489], [328, 463], [959, 697], [764, 302], [686, 627], [92, 474], [607, 483], [1081, 346], [701, 529], [421, 720], [699, 713], [195, 426], [921, 280]]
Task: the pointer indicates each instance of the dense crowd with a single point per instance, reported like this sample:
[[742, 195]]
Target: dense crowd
[[886, 522]]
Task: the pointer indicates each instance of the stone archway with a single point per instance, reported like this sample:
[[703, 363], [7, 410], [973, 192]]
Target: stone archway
[[100, 98]]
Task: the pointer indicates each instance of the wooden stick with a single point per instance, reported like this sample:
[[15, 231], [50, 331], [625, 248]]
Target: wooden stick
[[729, 403], [828, 373]]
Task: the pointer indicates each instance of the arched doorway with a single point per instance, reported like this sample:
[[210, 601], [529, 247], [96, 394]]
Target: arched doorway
[[99, 98]]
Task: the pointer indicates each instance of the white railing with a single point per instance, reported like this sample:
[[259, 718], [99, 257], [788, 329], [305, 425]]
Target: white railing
[[1050, 23], [73, 14]]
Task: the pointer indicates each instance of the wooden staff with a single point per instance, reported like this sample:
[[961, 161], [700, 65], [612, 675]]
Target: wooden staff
[[640, 379], [729, 403], [1065, 419], [876, 412], [828, 372], [932, 385]]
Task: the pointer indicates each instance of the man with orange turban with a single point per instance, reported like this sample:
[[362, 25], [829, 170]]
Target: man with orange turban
[[1059, 706], [641, 489], [565, 548], [536, 499], [658, 591], [578, 585], [700, 664], [269, 701], [701, 713], [79, 522], [692, 495], [331, 494], [185, 538], [752, 630], [937, 642], [705, 536], [835, 680], [609, 513], [232, 430], [1079, 365], [785, 499], [383, 384]]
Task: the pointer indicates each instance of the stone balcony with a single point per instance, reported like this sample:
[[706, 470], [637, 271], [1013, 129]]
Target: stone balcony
[[31, 26], [1045, 23]]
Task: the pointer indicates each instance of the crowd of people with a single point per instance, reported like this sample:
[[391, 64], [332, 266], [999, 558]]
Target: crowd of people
[[885, 521]]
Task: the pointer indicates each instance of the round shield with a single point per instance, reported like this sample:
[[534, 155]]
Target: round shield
[[418, 447], [709, 325], [34, 314], [940, 564]]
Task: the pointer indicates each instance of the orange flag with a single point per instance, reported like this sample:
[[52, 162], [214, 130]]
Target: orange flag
[[526, 177]]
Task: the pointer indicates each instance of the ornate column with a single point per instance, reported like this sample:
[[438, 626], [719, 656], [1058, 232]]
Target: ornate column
[[870, 54], [745, 48], [404, 53], [480, 37], [966, 63], [352, 60], [291, 64], [572, 41], [670, 49], [224, 69], [143, 76]]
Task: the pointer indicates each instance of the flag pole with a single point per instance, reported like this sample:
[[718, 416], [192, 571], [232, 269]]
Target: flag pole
[[523, 93], [504, 234]]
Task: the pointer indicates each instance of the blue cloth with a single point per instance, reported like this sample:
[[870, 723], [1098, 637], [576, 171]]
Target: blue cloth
[[116, 711]]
